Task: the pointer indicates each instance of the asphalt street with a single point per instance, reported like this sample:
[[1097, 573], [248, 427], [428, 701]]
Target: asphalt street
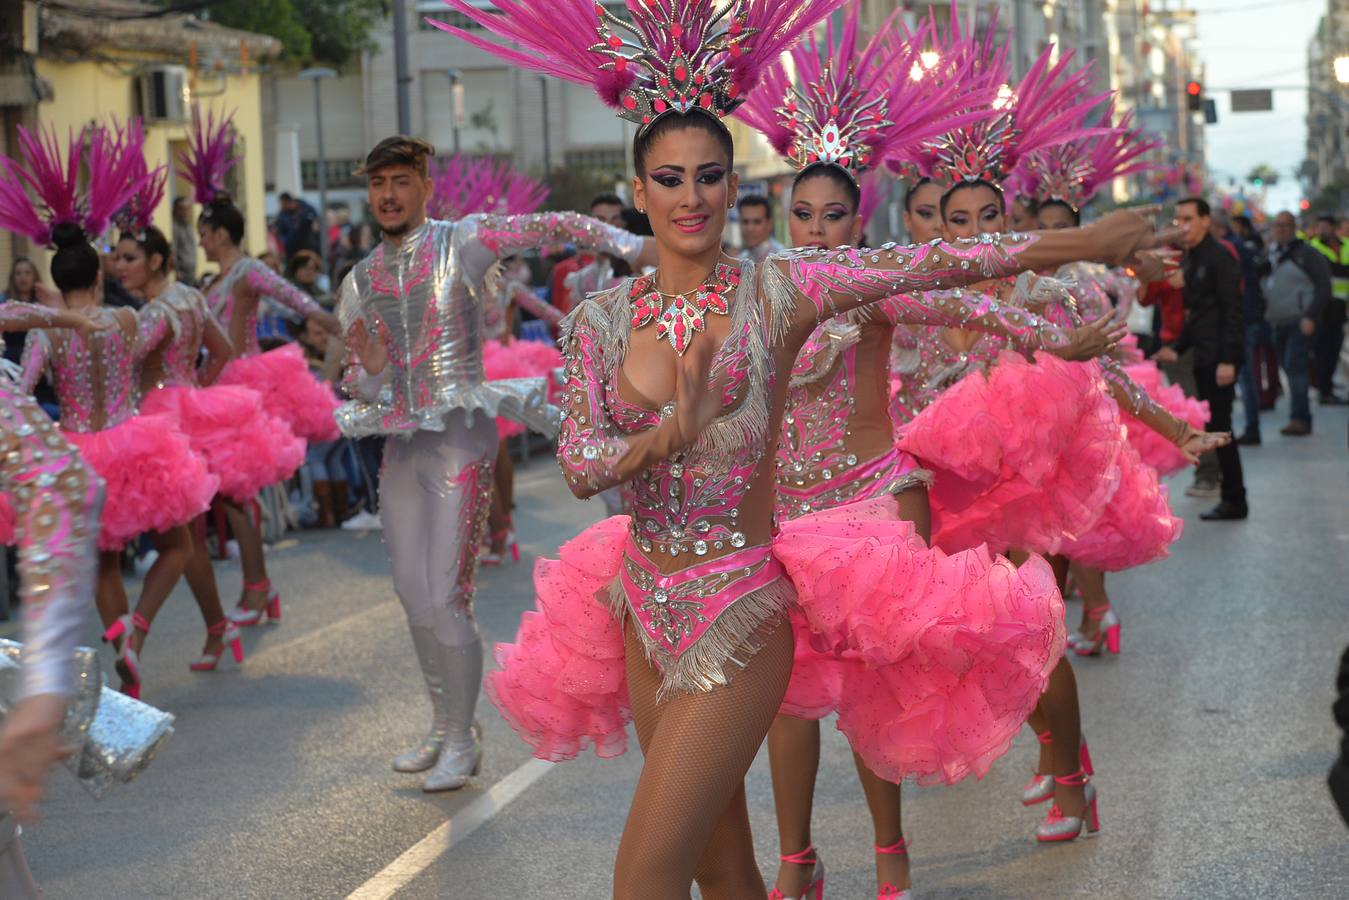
[[1211, 735]]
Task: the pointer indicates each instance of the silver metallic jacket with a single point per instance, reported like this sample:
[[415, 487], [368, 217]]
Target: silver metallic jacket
[[422, 297]]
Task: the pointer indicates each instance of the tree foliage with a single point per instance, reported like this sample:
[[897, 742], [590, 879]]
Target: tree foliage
[[327, 32], [1263, 174]]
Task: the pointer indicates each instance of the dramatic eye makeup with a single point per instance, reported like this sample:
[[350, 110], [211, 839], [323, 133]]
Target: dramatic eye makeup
[[673, 176]]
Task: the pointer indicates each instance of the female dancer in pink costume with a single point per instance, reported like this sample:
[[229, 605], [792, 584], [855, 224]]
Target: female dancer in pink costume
[[1064, 455], [289, 390], [696, 598], [154, 481], [837, 448], [245, 448], [1136, 526]]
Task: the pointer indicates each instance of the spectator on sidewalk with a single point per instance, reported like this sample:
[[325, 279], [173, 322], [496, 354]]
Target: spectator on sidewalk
[[1213, 332], [1329, 338], [1265, 366], [756, 228], [297, 225], [608, 208], [1297, 290], [1253, 317]]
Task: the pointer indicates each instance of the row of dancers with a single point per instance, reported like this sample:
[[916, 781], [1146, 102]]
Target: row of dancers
[[816, 453]]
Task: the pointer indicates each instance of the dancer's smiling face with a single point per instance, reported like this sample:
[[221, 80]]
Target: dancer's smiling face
[[397, 195], [971, 209], [823, 214], [686, 185]]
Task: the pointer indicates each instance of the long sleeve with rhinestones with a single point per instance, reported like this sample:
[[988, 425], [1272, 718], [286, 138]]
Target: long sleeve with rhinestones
[[910, 284], [55, 495], [592, 455], [18, 316], [260, 281], [494, 237]]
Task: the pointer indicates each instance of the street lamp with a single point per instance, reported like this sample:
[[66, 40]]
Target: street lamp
[[456, 103], [317, 75], [1342, 69]]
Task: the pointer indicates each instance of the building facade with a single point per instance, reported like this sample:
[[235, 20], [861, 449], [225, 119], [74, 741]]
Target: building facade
[[1325, 170]]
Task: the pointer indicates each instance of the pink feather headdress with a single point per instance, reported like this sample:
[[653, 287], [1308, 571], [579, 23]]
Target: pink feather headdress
[[461, 186], [1042, 110], [139, 211], [1073, 172], [209, 155], [43, 188], [674, 56], [853, 108]]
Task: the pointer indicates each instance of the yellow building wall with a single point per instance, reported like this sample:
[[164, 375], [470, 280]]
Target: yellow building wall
[[85, 92]]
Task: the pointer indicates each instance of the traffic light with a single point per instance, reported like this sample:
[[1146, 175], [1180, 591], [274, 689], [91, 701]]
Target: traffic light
[[1194, 95]]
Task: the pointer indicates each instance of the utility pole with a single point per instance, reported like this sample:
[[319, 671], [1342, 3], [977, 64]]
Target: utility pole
[[403, 81]]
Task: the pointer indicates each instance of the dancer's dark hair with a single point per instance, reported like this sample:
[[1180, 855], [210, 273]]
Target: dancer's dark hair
[[75, 265], [151, 241], [834, 174], [222, 213], [670, 122]]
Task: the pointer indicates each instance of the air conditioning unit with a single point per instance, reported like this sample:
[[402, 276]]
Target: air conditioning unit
[[164, 94]]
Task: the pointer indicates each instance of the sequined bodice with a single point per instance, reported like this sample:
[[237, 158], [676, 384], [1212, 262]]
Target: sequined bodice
[[223, 300], [171, 328], [96, 378], [689, 504]]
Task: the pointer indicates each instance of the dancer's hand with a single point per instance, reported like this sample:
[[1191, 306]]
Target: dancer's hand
[[1154, 265], [1167, 356], [30, 743], [1094, 339], [369, 349], [1121, 235], [697, 400], [1194, 444]]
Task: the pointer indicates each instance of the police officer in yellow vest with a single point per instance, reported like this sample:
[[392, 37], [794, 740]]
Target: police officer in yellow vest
[[1330, 328]]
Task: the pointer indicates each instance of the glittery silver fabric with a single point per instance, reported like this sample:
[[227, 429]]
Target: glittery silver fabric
[[115, 736], [420, 296]]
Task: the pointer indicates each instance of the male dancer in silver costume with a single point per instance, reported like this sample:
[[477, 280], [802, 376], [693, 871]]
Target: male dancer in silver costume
[[412, 316]]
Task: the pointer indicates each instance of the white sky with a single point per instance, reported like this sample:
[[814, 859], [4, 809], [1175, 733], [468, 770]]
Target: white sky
[[1255, 44]]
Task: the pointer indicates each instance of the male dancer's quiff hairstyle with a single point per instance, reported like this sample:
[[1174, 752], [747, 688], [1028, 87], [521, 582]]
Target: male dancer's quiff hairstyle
[[399, 150]]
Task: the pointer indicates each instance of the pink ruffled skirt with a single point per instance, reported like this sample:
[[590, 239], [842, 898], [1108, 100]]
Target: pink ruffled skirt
[[1155, 450], [932, 661], [1023, 456], [1137, 526], [290, 392], [153, 481], [499, 362], [243, 446]]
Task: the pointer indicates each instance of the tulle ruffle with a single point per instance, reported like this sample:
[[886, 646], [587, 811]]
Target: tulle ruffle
[[1155, 450], [520, 359], [226, 424], [153, 480], [563, 684], [289, 391], [1023, 456], [942, 657], [1136, 527]]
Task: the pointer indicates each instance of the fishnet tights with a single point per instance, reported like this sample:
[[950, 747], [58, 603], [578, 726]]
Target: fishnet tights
[[689, 820]]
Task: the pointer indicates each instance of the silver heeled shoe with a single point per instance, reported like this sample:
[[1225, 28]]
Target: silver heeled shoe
[[1058, 827], [425, 754], [461, 756]]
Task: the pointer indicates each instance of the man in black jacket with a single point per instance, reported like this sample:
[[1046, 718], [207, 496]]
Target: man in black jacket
[[1215, 331]]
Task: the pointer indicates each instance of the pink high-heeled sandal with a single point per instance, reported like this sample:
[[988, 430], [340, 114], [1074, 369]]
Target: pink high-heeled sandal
[[1107, 634], [888, 891], [128, 661], [806, 857], [247, 618], [1057, 826], [228, 633]]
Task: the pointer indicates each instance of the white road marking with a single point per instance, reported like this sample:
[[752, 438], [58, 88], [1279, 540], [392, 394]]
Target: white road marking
[[419, 857]]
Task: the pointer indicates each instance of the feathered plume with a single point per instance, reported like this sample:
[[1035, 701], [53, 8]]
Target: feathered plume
[[1043, 109], [128, 143], [672, 56], [209, 155], [855, 108], [53, 177], [1074, 171], [461, 186]]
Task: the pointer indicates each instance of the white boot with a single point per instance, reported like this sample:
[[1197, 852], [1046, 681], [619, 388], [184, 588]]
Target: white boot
[[461, 755]]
